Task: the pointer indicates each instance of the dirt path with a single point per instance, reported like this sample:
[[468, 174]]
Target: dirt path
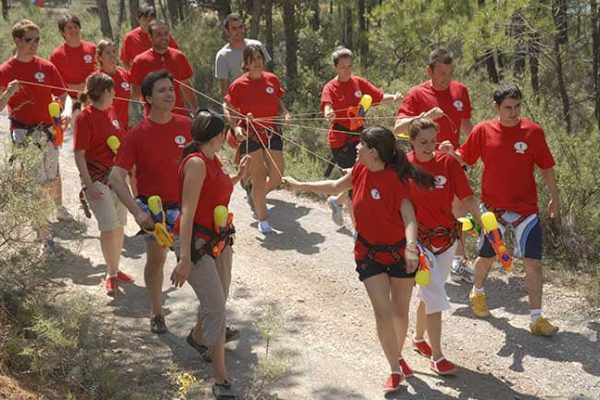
[[305, 275]]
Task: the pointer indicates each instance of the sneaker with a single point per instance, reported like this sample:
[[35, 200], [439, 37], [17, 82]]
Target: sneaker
[[393, 382], [123, 277], [264, 227], [337, 214], [542, 327], [479, 305], [422, 347], [461, 273], [406, 370], [62, 214], [50, 245], [200, 348], [111, 285], [223, 391], [231, 334], [442, 367], [158, 325]]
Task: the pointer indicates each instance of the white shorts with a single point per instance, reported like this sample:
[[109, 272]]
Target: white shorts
[[109, 211], [434, 294]]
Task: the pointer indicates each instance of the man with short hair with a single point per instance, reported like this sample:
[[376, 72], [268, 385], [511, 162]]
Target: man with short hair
[[138, 39], [154, 147], [228, 62], [510, 148], [163, 57], [28, 84], [75, 59], [447, 102]]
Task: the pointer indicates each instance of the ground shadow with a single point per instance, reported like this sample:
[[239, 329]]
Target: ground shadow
[[133, 246], [70, 230], [132, 301], [80, 270]]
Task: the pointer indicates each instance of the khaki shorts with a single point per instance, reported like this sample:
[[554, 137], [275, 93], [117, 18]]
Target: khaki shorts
[[109, 211], [50, 170]]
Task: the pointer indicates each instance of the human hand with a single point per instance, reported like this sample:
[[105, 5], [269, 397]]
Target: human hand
[[144, 220], [244, 166], [12, 88], [290, 182], [446, 147], [434, 113], [181, 272], [239, 134], [398, 96], [553, 208], [411, 257], [93, 192]]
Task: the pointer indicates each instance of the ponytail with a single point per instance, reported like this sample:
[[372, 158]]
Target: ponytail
[[206, 124], [191, 147]]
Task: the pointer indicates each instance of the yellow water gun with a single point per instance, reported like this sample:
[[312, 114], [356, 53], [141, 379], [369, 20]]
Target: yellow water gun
[[160, 232]]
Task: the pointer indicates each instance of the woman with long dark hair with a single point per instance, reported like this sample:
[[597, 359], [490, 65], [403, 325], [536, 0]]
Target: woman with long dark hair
[[385, 249]]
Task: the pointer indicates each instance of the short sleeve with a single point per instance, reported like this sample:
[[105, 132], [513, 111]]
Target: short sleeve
[[542, 156], [232, 96], [326, 96], [221, 66], [126, 156], [460, 182], [57, 81], [184, 69], [471, 149], [467, 104], [409, 106], [125, 57], [367, 87], [82, 132], [268, 58], [136, 71], [173, 44]]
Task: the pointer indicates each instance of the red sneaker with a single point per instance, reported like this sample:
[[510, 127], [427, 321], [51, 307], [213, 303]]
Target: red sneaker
[[422, 347], [442, 367], [125, 278], [111, 285], [393, 382], [406, 370]]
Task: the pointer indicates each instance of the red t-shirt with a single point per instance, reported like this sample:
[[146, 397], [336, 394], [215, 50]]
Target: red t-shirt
[[75, 64], [216, 191], [173, 60], [376, 200], [30, 104], [454, 102], [92, 128], [155, 150], [136, 42], [434, 207], [509, 155], [121, 78], [341, 96], [260, 97]]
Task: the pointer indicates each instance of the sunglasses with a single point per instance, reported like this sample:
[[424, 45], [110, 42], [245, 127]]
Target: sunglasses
[[32, 39]]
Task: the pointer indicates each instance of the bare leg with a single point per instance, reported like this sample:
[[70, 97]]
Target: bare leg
[[111, 243], [421, 324], [153, 274], [259, 184], [275, 167], [534, 281], [434, 332], [401, 293], [482, 268]]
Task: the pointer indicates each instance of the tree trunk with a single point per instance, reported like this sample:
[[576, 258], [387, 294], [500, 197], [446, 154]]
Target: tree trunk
[[121, 15], [162, 10], [562, 87], [104, 15], [517, 33], [490, 65], [291, 39], [133, 7], [596, 55], [559, 12], [269, 31], [348, 42], [173, 14], [5, 10], [223, 8], [315, 20], [181, 9], [255, 21], [363, 43], [534, 62]]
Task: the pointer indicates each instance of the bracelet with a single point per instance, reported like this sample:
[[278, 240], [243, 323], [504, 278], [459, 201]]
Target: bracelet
[[409, 242]]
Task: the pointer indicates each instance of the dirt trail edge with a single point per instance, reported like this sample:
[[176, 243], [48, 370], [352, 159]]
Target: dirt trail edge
[[305, 275]]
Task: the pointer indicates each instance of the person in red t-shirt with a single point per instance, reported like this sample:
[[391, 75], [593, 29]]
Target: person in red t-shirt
[[75, 59], [28, 84], [438, 233], [154, 147], [339, 96], [252, 104], [107, 62], [138, 40], [94, 157], [510, 148], [160, 57], [385, 249], [447, 102], [204, 186]]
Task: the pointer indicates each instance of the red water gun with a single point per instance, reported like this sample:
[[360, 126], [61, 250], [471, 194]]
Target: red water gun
[[357, 113], [493, 234]]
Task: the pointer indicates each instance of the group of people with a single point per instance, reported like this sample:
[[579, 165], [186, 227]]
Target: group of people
[[403, 207]]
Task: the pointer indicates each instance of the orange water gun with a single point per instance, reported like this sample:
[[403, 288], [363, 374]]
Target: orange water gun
[[493, 234], [357, 113], [423, 274], [57, 131], [223, 219]]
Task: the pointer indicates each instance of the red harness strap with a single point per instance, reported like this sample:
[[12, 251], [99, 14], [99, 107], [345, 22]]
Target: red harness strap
[[426, 234]]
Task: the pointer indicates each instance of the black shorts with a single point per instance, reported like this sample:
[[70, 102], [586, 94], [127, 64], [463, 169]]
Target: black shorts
[[345, 156], [397, 270], [274, 143]]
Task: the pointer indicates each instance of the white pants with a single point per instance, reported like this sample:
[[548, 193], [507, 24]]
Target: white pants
[[434, 294]]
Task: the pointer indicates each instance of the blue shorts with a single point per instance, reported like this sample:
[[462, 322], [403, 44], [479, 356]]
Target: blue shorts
[[170, 217], [527, 235]]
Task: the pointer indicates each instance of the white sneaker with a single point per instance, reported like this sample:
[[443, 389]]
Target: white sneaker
[[264, 227], [461, 273], [62, 214], [337, 214]]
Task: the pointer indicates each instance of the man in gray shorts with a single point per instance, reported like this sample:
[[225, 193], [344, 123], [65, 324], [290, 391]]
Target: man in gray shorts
[[228, 62]]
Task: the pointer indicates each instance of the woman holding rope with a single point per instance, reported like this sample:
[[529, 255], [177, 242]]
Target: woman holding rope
[[340, 96], [251, 102], [385, 249], [438, 232], [94, 158]]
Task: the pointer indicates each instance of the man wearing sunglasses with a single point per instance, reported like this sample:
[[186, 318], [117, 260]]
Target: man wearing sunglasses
[[28, 84]]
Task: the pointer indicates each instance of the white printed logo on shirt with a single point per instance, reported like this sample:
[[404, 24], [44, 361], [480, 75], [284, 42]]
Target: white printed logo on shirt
[[39, 76], [375, 194], [180, 140], [520, 147], [88, 59], [440, 181], [358, 94], [458, 105], [116, 124], [125, 86], [270, 89]]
